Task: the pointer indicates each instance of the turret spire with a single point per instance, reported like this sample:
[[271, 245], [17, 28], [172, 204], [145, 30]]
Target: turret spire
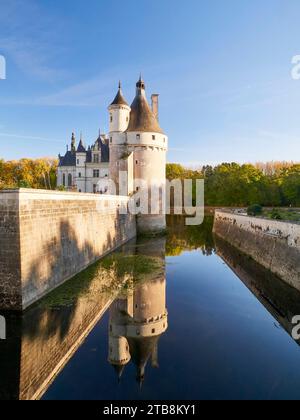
[[140, 84], [73, 143], [81, 148], [119, 99]]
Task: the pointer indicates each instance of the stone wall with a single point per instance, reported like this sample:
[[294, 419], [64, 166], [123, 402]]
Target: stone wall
[[50, 236], [10, 263], [273, 244]]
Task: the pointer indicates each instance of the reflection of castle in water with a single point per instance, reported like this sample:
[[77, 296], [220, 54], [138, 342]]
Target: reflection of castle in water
[[136, 323], [40, 342]]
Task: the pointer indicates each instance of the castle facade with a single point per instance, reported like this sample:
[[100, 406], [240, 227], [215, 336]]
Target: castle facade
[[136, 146]]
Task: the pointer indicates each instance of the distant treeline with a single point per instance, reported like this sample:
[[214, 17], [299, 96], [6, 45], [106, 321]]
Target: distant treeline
[[230, 184], [28, 173]]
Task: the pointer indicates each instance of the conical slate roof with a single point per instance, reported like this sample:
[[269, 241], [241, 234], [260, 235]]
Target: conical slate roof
[[119, 99], [141, 349], [141, 116], [81, 148]]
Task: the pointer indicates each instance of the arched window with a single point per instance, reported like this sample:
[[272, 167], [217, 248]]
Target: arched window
[[69, 180], [64, 180]]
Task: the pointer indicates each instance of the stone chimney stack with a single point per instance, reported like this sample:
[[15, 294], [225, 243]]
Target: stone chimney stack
[[154, 99]]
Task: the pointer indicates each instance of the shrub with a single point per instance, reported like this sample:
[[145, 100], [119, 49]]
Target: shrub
[[255, 210], [275, 215], [61, 188]]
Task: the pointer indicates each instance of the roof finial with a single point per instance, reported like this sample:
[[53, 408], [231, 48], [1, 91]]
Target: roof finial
[[140, 84], [120, 85]]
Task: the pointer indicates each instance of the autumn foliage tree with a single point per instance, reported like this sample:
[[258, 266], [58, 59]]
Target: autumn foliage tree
[[28, 173]]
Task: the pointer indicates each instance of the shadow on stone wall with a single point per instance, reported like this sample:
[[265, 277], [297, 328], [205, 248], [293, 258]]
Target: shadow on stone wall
[[61, 258]]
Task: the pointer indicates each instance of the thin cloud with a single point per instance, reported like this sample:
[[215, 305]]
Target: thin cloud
[[25, 137], [26, 41]]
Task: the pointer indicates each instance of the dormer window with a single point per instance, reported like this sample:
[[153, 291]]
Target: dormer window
[[96, 158]]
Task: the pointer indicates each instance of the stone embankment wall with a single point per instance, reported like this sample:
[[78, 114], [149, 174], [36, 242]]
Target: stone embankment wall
[[47, 237], [273, 244]]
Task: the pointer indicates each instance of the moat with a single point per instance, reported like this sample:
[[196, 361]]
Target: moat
[[181, 317]]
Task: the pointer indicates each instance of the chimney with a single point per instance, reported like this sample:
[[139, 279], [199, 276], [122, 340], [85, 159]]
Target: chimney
[[154, 99]]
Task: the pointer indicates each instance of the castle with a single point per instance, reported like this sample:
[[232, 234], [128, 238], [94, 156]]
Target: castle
[[136, 145]]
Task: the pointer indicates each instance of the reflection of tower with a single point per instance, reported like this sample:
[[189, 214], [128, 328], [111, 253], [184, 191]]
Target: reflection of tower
[[136, 323], [119, 354]]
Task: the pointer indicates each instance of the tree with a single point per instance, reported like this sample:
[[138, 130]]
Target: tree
[[290, 185], [29, 173]]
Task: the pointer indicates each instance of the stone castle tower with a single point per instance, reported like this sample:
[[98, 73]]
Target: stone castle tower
[[138, 146]]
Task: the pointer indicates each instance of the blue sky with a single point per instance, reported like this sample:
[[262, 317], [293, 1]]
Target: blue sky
[[222, 68]]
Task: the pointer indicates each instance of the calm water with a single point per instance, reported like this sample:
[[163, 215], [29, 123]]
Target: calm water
[[199, 322]]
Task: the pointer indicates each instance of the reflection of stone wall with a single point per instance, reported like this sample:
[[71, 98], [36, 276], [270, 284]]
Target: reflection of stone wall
[[51, 236], [280, 299], [273, 244], [41, 341]]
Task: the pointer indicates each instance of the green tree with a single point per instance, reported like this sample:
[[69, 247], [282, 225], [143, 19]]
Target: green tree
[[290, 186]]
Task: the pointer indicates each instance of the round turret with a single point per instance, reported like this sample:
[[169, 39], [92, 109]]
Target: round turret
[[119, 111], [149, 145]]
